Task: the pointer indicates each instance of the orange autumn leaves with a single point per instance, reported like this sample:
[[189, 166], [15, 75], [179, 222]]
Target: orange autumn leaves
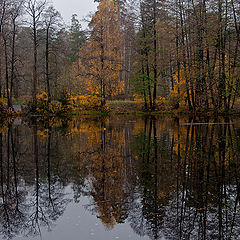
[[99, 65]]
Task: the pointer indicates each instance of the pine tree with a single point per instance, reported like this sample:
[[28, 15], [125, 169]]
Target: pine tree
[[77, 38]]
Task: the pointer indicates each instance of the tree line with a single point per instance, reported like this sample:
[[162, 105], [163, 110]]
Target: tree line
[[188, 50], [181, 53], [37, 49]]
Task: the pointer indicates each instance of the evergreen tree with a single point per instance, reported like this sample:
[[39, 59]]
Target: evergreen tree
[[77, 38]]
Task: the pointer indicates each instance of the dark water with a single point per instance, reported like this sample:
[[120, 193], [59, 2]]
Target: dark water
[[120, 178]]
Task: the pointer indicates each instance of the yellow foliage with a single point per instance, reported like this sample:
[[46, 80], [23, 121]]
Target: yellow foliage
[[5, 111], [44, 107], [87, 102], [179, 90], [138, 98], [84, 102], [42, 96], [161, 101], [69, 103], [2, 102], [100, 60], [178, 95], [44, 133]]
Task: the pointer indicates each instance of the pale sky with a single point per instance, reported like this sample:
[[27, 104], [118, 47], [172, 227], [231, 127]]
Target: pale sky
[[79, 7]]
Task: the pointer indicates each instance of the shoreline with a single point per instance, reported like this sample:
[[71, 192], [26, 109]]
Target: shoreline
[[124, 108]]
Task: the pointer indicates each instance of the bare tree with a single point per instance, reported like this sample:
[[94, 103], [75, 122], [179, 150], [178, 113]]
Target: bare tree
[[2, 15], [35, 9], [15, 13], [51, 20]]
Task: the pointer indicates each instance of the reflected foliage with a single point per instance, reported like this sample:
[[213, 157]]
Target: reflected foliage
[[172, 178]]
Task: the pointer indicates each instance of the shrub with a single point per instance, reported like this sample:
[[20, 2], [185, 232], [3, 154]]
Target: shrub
[[138, 98], [5, 111], [68, 103]]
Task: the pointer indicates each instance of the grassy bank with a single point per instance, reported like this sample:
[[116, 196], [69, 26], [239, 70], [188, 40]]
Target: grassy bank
[[121, 108]]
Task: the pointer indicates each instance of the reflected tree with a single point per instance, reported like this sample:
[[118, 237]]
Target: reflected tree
[[172, 178]]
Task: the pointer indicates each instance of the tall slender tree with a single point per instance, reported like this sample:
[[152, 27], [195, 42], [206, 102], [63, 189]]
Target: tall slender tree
[[2, 15], [51, 19], [35, 9]]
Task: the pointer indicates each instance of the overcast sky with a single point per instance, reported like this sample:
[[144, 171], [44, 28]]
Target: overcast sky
[[69, 7]]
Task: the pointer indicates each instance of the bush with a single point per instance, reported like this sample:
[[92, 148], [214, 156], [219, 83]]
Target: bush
[[45, 107], [138, 98], [5, 111], [68, 103], [76, 102]]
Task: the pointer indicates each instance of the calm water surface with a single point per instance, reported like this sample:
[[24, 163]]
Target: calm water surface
[[135, 178]]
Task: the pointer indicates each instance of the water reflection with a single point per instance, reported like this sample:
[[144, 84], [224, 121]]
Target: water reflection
[[166, 178]]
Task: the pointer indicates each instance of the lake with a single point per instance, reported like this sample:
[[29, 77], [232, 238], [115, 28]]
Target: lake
[[120, 177]]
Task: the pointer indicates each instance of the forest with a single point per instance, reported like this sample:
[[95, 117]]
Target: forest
[[124, 125], [160, 55]]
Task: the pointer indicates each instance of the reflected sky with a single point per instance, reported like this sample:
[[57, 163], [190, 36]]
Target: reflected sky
[[78, 223]]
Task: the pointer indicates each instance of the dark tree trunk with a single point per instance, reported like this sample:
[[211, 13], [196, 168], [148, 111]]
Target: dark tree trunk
[[103, 96], [144, 90], [13, 60], [34, 64], [47, 65], [155, 56], [7, 72]]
